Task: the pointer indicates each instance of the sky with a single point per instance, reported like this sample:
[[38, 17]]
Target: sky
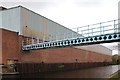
[[71, 13]]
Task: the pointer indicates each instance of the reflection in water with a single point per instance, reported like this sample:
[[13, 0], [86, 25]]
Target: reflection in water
[[98, 72], [115, 68]]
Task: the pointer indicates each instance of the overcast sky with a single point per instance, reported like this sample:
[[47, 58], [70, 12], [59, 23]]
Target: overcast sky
[[71, 13]]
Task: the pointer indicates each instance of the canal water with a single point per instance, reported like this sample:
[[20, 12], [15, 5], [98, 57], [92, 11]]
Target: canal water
[[98, 72]]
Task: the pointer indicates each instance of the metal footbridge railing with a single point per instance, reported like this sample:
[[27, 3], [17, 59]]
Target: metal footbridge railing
[[103, 32]]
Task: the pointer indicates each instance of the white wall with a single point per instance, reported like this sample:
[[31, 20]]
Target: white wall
[[10, 19], [119, 10], [96, 48], [0, 19]]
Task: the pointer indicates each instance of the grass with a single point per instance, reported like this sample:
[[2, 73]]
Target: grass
[[115, 76]]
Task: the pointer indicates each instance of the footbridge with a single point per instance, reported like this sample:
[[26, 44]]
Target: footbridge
[[104, 32]]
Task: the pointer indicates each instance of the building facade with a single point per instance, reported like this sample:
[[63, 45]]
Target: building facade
[[19, 25]]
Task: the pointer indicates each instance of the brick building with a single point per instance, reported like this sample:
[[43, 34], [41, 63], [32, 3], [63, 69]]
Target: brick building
[[19, 24]]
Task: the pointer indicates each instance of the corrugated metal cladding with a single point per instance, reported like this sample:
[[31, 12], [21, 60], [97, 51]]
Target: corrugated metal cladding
[[10, 19], [35, 25], [0, 19], [31, 24]]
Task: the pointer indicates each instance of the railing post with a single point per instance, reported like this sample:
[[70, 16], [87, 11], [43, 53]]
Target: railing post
[[103, 29], [82, 32], [77, 32], [53, 37], [92, 31], [72, 35], [37, 40], [22, 43], [100, 28], [77, 29], [66, 35], [114, 26], [32, 40], [88, 30], [118, 27], [63, 35], [50, 37], [56, 36]]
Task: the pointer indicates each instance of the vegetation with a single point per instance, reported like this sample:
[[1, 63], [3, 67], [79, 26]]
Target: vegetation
[[115, 76], [116, 58]]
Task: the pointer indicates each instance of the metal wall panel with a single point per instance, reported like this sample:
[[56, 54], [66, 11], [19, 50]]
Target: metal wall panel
[[11, 19], [0, 19], [35, 25], [31, 24]]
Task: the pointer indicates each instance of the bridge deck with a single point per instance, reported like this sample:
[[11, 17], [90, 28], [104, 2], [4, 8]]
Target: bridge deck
[[91, 34]]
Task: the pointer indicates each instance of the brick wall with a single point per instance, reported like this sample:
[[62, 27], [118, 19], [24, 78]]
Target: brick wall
[[0, 47], [9, 45], [12, 50], [64, 55]]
